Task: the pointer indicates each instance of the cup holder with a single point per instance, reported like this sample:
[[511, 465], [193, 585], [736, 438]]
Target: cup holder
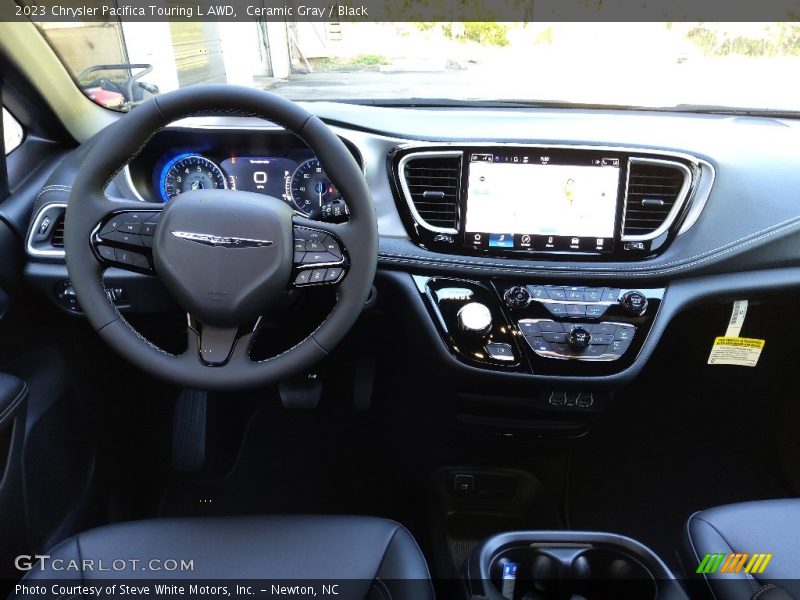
[[581, 566], [571, 573]]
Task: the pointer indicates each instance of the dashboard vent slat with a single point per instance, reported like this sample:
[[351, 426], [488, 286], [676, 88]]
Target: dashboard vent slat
[[433, 184], [57, 237], [653, 190]]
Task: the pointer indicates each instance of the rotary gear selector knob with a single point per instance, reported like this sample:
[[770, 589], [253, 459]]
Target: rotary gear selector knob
[[475, 318], [579, 338]]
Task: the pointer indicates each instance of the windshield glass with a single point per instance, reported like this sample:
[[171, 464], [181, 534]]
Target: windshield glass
[[693, 65]]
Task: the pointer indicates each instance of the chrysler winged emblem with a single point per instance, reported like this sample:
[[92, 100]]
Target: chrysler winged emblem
[[219, 241]]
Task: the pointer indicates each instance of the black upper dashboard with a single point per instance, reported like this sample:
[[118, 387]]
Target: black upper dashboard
[[742, 206]]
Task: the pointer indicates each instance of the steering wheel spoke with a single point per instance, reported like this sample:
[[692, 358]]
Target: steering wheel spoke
[[320, 257], [218, 346], [123, 238]]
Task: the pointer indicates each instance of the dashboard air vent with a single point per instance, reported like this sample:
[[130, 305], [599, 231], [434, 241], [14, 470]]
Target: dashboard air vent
[[57, 237], [432, 183], [654, 188]]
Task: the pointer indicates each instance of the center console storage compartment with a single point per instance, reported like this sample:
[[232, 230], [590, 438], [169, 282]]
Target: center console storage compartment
[[568, 565]]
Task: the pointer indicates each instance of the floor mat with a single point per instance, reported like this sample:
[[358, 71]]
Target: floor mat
[[301, 462]]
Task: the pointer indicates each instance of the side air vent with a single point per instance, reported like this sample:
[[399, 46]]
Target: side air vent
[[57, 237], [46, 235], [431, 183], [655, 195]]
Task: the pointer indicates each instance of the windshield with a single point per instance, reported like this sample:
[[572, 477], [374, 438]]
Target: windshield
[[690, 65]]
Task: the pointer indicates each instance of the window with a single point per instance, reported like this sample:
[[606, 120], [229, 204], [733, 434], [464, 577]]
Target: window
[[12, 132]]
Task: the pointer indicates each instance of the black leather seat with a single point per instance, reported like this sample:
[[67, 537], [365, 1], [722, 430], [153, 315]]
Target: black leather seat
[[377, 557], [769, 526]]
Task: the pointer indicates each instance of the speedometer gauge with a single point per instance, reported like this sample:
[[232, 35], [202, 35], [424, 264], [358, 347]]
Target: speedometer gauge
[[310, 188], [190, 172]]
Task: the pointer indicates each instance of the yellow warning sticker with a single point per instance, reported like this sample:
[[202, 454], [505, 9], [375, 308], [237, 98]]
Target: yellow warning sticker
[[744, 352]]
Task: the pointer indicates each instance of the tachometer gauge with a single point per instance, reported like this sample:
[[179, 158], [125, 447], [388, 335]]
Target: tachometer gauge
[[310, 188], [190, 172]]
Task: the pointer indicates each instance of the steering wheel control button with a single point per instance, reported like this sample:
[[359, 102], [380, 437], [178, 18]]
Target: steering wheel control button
[[333, 275], [318, 276], [303, 278], [579, 338], [475, 318], [315, 258], [332, 247], [107, 252], [634, 302], [130, 228], [148, 229], [517, 297], [110, 226], [500, 351], [133, 259], [121, 237]]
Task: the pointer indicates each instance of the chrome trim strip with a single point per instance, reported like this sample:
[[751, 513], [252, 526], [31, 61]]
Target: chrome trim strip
[[36, 220], [401, 166], [677, 207], [129, 182], [706, 176]]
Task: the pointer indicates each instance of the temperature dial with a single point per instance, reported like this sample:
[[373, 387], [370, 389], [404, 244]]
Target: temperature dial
[[634, 302], [579, 338]]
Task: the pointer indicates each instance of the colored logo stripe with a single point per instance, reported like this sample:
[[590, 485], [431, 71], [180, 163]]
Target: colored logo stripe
[[734, 563]]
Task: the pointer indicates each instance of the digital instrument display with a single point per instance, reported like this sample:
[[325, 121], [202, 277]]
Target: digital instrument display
[[301, 183], [538, 203]]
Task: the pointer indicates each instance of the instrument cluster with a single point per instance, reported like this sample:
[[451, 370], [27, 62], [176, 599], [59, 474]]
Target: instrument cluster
[[274, 163]]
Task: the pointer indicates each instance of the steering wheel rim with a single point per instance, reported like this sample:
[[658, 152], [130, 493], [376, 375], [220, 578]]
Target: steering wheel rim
[[88, 205]]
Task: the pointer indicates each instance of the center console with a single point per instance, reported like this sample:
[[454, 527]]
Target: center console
[[544, 565], [541, 328]]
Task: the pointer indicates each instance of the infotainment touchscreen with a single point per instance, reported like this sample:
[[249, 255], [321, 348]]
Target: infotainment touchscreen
[[519, 202]]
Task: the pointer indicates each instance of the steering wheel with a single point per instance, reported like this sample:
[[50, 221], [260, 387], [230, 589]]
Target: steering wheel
[[225, 256]]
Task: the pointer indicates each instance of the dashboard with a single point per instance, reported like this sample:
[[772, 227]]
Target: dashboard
[[528, 245]]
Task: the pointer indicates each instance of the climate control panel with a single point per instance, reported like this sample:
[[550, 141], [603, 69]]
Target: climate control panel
[[576, 340]]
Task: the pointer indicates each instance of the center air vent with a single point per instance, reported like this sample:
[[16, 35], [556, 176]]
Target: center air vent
[[656, 192], [431, 182]]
